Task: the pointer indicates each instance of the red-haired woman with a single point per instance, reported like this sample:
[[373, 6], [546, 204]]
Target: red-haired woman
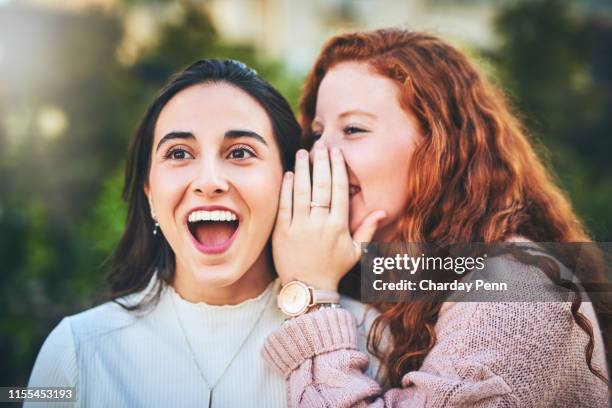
[[413, 144]]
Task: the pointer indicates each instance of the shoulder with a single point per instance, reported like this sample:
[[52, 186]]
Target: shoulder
[[67, 337], [518, 272], [115, 315], [533, 312], [59, 341], [491, 319], [487, 316], [56, 364], [100, 320]]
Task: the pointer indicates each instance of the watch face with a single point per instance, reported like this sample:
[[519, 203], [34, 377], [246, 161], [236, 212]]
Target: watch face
[[294, 298]]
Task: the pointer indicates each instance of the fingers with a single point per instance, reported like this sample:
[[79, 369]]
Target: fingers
[[301, 186], [340, 186], [285, 203], [321, 179], [366, 230]]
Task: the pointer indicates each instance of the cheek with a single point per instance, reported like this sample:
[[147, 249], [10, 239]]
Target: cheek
[[260, 190], [382, 170], [167, 187]]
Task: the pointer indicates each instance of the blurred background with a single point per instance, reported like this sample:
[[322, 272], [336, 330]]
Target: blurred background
[[76, 76]]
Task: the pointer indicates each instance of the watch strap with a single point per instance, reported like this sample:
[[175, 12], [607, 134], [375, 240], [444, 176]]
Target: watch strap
[[324, 296]]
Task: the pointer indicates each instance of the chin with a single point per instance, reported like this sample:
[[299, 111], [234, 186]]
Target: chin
[[216, 276]]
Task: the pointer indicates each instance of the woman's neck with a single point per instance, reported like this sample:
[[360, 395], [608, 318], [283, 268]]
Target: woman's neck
[[251, 284]]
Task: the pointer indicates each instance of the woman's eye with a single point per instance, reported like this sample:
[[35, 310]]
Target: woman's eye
[[241, 153], [350, 130], [178, 153]]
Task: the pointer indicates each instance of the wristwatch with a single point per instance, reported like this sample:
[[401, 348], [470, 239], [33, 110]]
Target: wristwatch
[[295, 298]]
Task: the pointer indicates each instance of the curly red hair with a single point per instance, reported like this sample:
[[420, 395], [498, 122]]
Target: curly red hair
[[475, 177]]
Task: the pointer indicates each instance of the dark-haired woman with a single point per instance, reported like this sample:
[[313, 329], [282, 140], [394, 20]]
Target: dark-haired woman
[[193, 283], [424, 150]]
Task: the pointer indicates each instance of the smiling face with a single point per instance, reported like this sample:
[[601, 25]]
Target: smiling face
[[213, 185], [358, 111]]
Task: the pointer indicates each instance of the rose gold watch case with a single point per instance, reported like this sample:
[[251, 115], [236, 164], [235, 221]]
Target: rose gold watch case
[[295, 298]]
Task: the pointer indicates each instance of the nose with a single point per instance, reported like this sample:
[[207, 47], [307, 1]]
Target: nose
[[210, 180], [330, 140]]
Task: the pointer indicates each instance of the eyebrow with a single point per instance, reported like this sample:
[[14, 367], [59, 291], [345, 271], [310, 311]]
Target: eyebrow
[[235, 134], [230, 134], [356, 112], [349, 113], [175, 135]]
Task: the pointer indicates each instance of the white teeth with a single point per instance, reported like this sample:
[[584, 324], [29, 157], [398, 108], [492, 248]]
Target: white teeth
[[212, 216]]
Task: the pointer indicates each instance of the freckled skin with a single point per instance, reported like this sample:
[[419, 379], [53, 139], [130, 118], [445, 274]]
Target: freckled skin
[[358, 111]]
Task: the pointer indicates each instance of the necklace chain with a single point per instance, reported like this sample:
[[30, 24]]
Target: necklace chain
[[193, 355]]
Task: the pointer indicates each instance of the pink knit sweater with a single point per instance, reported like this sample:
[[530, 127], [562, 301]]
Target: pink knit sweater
[[486, 355]]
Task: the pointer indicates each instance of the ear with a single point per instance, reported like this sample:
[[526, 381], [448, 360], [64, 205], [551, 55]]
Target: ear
[[147, 192]]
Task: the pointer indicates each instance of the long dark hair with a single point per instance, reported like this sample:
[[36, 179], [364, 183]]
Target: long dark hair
[[139, 253]]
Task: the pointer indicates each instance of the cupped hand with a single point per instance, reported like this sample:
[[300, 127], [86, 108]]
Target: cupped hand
[[311, 241]]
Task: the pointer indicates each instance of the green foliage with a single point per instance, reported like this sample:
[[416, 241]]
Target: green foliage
[[192, 38], [557, 66], [109, 214]]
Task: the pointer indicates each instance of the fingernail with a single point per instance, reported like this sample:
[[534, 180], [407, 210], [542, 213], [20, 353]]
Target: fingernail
[[335, 151], [288, 175], [302, 154], [320, 145]]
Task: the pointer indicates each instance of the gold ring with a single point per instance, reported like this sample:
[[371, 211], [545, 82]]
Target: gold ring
[[315, 204]]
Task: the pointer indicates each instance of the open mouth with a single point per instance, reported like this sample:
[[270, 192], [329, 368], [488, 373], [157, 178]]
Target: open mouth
[[213, 231]]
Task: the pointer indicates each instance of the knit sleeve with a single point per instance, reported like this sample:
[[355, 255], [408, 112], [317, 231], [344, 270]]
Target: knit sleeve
[[56, 364], [486, 355]]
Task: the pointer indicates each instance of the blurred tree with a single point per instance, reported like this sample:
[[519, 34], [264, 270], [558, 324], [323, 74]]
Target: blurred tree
[[556, 63], [193, 37], [59, 98]]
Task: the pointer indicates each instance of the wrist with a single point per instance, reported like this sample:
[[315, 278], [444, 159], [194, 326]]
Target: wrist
[[323, 285], [319, 284]]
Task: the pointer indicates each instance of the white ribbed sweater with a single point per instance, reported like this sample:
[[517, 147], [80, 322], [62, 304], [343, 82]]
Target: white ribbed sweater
[[116, 359]]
